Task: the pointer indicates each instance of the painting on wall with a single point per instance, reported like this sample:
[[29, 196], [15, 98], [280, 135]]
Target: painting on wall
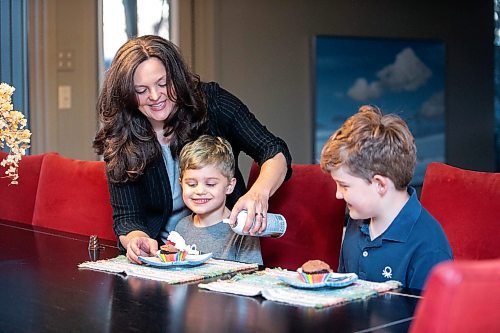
[[401, 76]]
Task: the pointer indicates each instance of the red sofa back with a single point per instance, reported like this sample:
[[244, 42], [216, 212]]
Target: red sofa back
[[17, 202], [315, 219], [467, 204], [73, 196]]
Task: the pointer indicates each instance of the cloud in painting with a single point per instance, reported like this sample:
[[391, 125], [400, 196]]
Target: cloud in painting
[[362, 90], [434, 106], [407, 73]]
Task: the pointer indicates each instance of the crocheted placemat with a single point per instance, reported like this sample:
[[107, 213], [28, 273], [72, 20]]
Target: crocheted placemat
[[172, 275], [268, 284]]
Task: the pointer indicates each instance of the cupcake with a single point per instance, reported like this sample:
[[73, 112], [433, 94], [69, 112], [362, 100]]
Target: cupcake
[[314, 271], [169, 253]]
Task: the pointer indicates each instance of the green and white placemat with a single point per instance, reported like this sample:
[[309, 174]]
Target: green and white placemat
[[268, 284], [172, 275]]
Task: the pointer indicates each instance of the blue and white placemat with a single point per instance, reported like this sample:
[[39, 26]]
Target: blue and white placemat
[[270, 284], [172, 275]]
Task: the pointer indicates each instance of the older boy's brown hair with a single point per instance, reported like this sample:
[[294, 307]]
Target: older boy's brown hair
[[370, 143]]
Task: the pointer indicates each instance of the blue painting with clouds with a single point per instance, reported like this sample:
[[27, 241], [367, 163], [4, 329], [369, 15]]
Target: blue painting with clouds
[[405, 77]]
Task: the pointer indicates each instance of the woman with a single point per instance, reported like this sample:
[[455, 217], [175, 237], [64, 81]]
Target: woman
[[151, 105]]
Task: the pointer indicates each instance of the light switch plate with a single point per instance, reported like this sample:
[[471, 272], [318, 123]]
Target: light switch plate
[[64, 97]]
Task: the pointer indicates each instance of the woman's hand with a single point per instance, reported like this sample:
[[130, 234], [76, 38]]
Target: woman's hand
[[256, 200], [138, 244]]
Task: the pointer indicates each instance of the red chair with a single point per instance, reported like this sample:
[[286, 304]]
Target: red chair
[[467, 204], [73, 196], [315, 219], [17, 202], [460, 296]]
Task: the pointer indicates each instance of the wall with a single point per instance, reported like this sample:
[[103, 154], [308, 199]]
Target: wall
[[59, 27], [260, 50], [262, 54]]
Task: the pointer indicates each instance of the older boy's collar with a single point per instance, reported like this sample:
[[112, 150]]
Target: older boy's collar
[[401, 227]]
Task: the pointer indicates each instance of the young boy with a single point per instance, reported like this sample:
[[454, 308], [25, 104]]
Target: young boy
[[389, 235], [207, 175]]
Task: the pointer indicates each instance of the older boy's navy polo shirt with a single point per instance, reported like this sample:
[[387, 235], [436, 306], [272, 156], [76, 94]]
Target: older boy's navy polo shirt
[[412, 244]]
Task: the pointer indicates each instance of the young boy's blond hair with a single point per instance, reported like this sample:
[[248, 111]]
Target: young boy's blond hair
[[370, 143], [208, 150]]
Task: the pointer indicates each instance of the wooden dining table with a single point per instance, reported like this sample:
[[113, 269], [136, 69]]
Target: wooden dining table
[[43, 290]]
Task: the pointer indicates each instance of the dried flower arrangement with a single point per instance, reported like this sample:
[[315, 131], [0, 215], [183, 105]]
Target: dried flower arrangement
[[12, 133]]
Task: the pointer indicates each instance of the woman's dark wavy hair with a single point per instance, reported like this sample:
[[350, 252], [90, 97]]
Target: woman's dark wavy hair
[[126, 138]]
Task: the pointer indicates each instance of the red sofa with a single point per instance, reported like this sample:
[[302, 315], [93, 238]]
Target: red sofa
[[17, 202], [315, 219], [59, 193], [466, 203]]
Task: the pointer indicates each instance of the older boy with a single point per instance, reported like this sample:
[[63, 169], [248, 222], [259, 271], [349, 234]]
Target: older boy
[[389, 235], [207, 175]]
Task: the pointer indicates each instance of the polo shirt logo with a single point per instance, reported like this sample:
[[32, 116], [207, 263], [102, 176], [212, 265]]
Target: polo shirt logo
[[387, 272]]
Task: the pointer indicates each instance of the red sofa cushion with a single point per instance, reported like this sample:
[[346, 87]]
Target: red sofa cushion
[[18, 201], [73, 196], [460, 296], [467, 204], [315, 219]]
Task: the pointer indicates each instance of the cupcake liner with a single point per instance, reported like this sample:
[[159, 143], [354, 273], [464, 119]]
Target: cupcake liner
[[313, 278], [170, 257]]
